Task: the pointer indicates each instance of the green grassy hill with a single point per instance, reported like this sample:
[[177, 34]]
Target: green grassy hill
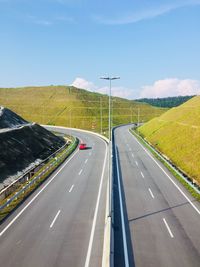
[[72, 107], [176, 134]]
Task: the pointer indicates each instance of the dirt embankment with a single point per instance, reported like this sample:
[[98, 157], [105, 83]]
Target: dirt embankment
[[23, 144]]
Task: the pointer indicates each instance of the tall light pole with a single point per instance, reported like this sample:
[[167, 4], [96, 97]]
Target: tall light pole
[[109, 116], [138, 117], [70, 121], [110, 79], [101, 113]]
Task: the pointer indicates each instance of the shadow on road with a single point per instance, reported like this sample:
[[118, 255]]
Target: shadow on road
[[118, 238], [159, 211]]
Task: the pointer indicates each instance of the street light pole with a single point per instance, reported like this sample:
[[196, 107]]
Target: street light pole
[[110, 142], [109, 119], [101, 113], [70, 121]]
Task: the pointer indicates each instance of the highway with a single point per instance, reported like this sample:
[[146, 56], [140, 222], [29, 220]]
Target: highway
[[161, 219], [62, 222]]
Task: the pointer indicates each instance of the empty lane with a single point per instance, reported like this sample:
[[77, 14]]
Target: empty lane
[[163, 225]]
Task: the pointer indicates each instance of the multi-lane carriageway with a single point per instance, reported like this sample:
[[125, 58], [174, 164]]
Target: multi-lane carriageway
[[161, 220], [156, 222], [62, 222]]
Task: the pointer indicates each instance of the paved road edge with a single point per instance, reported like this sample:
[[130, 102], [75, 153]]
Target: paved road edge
[[107, 226]]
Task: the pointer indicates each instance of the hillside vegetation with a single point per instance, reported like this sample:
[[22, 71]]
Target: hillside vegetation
[[177, 134], [166, 102], [72, 107]]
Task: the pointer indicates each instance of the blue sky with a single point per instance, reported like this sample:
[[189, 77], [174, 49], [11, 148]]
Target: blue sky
[[154, 46]]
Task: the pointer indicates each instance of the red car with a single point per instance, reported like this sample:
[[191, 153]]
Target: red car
[[82, 146]]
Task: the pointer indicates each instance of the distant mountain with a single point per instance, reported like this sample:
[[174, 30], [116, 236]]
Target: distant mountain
[[166, 102], [176, 134]]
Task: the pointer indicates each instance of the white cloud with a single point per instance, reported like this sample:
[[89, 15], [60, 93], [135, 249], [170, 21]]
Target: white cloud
[[84, 84], [43, 22], [39, 21], [171, 87], [119, 91], [51, 20], [65, 19], [160, 88], [146, 13]]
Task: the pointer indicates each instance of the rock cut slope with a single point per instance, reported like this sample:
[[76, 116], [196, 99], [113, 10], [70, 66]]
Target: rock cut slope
[[9, 119], [23, 144], [177, 135]]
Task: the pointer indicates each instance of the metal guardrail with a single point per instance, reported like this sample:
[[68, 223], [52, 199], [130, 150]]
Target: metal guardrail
[[40, 175], [27, 175], [188, 180]]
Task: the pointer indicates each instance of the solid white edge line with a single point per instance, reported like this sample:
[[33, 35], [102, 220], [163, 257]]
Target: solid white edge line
[[148, 153], [70, 190], [101, 137], [55, 218], [86, 161], [107, 231], [87, 261], [151, 193], [27, 205], [80, 172], [142, 174], [167, 226], [122, 215]]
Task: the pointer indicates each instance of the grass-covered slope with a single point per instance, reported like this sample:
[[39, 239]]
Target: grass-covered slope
[[177, 135], [69, 106]]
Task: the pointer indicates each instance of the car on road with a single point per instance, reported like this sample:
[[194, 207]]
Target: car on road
[[82, 146]]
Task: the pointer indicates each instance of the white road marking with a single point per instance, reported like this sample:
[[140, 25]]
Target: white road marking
[[55, 218], [167, 226], [148, 153], [80, 172], [142, 174], [18, 215], [136, 163], [122, 215], [151, 193], [132, 155], [86, 161], [87, 261], [70, 190], [129, 149]]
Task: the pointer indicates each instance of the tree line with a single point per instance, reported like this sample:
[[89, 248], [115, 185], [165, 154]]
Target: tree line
[[166, 102]]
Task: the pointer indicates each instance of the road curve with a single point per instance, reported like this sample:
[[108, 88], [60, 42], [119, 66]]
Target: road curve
[[64, 223], [162, 225]]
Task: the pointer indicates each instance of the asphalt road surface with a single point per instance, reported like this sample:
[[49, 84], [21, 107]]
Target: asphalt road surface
[[162, 220], [62, 222]]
